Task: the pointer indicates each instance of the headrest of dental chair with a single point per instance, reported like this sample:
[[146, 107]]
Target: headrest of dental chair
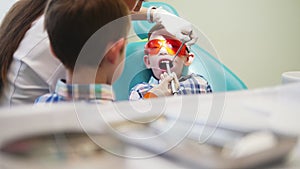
[[142, 27]]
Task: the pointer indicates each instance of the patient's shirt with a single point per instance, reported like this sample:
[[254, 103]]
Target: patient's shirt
[[190, 84]]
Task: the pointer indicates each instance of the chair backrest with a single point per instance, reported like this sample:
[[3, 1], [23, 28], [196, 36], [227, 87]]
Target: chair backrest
[[218, 75]]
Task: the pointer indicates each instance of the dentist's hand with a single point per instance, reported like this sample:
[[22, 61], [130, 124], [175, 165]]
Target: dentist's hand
[[177, 26], [163, 89]]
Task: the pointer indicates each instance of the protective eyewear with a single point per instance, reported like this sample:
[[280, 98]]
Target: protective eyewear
[[171, 45]]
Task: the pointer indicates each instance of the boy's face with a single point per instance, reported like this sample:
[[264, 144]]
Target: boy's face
[[162, 47]]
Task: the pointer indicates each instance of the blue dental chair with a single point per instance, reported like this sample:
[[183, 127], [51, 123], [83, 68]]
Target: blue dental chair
[[218, 75]]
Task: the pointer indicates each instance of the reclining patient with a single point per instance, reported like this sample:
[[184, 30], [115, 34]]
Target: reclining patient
[[161, 49]]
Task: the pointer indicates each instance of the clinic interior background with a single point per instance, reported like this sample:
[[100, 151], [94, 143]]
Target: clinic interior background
[[257, 39]]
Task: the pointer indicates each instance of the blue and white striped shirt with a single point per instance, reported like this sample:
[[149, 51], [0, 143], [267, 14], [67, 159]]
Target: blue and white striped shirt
[[190, 84]]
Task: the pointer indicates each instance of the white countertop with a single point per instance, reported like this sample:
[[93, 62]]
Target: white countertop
[[275, 108]]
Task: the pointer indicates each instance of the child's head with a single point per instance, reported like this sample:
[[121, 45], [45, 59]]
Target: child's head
[[70, 24], [162, 46]]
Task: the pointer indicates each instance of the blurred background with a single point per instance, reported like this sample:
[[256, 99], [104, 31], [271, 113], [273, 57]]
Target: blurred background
[[257, 39]]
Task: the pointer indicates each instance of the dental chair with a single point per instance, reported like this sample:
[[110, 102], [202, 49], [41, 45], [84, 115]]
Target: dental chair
[[218, 75]]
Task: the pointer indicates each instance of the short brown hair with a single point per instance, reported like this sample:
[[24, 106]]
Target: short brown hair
[[70, 23], [156, 27]]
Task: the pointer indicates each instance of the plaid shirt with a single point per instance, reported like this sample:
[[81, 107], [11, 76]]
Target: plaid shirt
[[88, 92], [190, 84]]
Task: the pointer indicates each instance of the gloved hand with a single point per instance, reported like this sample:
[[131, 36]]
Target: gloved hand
[[177, 26], [164, 89]]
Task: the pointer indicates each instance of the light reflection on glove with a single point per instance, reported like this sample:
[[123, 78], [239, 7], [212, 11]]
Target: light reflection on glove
[[163, 89], [177, 26]]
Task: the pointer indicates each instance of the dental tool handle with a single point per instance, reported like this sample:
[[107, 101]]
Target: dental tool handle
[[173, 88]]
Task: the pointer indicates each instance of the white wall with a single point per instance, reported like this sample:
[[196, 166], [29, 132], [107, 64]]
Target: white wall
[[256, 39], [4, 7]]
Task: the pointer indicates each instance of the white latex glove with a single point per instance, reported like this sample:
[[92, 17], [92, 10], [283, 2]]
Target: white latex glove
[[177, 26], [163, 89]]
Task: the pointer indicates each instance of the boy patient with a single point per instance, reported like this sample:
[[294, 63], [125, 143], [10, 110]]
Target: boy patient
[[160, 49], [90, 72]]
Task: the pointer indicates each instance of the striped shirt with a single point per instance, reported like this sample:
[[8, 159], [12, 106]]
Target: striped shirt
[[190, 84], [75, 92]]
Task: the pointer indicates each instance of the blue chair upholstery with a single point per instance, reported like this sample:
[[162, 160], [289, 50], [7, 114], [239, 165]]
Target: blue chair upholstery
[[218, 75]]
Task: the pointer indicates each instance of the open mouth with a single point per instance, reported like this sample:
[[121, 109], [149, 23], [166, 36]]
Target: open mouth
[[163, 64]]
